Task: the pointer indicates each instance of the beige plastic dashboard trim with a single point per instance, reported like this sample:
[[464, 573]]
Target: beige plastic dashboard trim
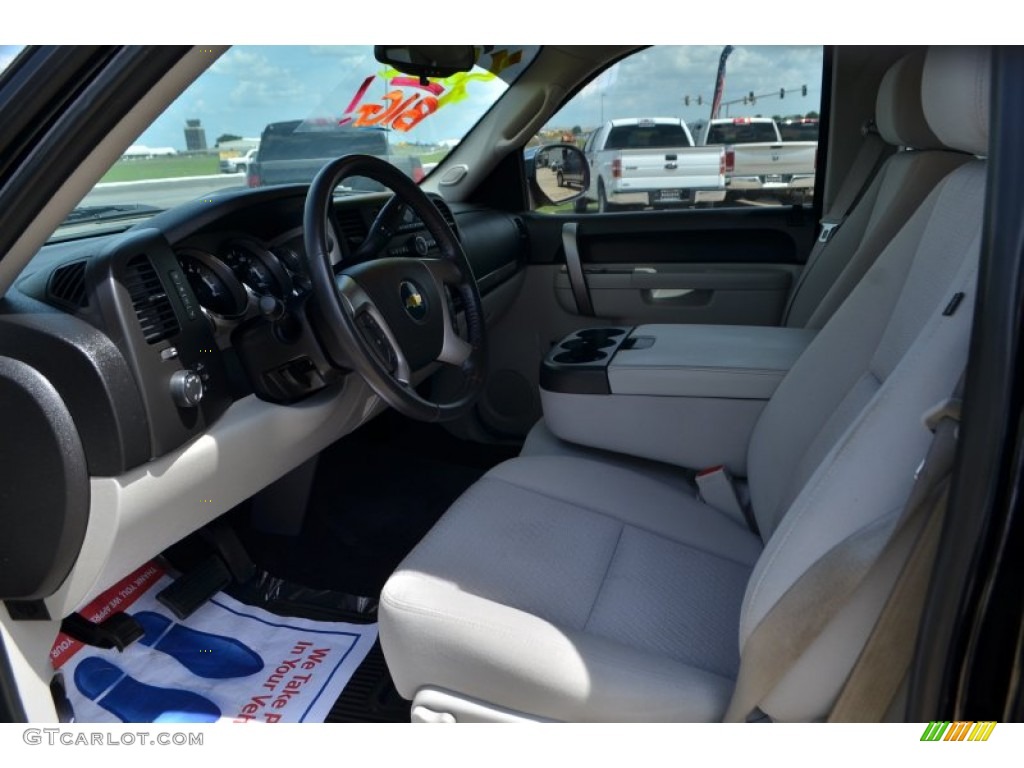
[[135, 516]]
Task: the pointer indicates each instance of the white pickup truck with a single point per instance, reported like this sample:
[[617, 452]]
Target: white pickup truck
[[758, 162], [641, 162], [238, 163]]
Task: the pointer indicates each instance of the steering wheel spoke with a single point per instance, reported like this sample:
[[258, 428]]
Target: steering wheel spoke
[[454, 349], [374, 330]]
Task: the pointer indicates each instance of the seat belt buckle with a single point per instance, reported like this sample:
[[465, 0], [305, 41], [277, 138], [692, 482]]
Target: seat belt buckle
[[828, 228], [949, 408], [717, 489]]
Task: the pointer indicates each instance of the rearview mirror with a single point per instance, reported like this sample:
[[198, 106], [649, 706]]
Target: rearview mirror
[[427, 60], [558, 173]]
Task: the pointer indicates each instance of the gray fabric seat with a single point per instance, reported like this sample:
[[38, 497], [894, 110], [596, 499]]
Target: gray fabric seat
[[570, 588], [543, 557]]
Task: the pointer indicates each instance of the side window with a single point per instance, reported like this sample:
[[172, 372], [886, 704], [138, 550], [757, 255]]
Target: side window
[[675, 127]]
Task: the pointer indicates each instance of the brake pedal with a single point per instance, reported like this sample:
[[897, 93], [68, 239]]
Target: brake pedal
[[191, 590]]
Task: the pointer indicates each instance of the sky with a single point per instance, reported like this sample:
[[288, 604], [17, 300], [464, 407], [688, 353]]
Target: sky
[[249, 87], [654, 83], [7, 54]]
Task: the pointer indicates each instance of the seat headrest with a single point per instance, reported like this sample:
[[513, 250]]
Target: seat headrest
[[955, 93], [898, 111]]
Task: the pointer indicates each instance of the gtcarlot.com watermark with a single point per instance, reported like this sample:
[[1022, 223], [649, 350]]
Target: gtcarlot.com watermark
[[59, 737]]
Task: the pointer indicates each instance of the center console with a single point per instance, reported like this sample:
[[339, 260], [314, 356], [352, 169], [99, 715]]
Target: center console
[[684, 394]]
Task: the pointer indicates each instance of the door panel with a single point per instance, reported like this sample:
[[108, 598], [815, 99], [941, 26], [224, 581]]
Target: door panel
[[715, 266], [744, 294]]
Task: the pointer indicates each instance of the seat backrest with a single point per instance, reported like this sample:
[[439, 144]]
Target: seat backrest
[[900, 185], [837, 446]]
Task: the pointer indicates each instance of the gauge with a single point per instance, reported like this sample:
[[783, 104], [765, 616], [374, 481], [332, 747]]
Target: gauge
[[295, 267], [259, 269], [214, 285], [291, 260]]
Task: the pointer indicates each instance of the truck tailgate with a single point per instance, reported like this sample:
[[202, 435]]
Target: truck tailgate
[[785, 158], [682, 168]]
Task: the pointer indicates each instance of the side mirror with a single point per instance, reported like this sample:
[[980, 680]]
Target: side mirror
[[558, 173]]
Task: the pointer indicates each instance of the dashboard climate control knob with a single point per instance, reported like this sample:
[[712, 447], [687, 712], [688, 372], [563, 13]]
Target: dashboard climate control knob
[[186, 388]]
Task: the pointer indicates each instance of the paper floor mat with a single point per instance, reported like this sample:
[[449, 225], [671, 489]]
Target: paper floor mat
[[227, 662]]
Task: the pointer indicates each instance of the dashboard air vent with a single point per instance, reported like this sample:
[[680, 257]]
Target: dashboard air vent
[[353, 226], [67, 285], [153, 308]]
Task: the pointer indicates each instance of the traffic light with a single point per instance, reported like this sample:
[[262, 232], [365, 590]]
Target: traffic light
[[803, 90], [782, 93], [686, 101], [753, 100], [700, 101]]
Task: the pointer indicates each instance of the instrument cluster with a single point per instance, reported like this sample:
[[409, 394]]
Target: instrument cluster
[[233, 276]]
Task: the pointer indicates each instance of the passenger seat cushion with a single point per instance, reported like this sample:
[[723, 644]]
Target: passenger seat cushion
[[571, 581]]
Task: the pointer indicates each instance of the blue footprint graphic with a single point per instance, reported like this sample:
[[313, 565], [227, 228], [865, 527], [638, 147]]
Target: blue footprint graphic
[[201, 653], [135, 702]]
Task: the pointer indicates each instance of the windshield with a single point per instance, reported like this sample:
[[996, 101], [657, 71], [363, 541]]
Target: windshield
[[8, 53], [270, 115]]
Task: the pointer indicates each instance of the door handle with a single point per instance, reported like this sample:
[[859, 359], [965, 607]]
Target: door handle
[[574, 268]]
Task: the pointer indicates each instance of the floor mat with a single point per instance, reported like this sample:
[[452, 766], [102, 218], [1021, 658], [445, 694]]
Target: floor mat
[[227, 662], [370, 696], [376, 493]]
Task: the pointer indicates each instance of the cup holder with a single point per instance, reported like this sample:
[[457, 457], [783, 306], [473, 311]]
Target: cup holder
[[590, 347], [579, 356], [583, 344], [578, 364]]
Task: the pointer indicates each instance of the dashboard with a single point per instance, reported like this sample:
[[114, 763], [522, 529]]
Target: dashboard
[[173, 370], [151, 334]]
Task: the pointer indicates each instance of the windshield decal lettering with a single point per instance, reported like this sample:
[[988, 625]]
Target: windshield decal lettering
[[377, 114], [410, 101], [359, 95]]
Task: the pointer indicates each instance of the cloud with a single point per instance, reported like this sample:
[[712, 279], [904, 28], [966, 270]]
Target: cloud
[[259, 82]]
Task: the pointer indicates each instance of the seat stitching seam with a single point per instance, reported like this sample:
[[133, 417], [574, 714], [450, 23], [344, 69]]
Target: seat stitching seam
[[631, 525], [604, 578]]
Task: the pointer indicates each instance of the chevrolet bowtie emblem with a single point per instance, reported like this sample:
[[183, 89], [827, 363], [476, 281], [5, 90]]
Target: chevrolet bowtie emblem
[[413, 301]]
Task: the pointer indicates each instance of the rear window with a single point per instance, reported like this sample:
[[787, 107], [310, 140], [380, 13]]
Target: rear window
[[799, 131], [741, 133], [300, 141], [658, 136]]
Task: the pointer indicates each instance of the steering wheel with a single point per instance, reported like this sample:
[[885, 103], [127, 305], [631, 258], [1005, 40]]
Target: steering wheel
[[390, 318]]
